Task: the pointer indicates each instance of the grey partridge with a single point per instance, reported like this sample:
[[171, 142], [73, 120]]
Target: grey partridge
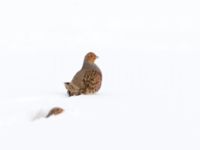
[[55, 111], [88, 80]]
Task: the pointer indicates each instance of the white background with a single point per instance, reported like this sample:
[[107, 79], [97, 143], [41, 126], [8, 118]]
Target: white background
[[149, 55]]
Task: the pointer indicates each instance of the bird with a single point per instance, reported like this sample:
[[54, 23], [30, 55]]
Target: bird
[[55, 111], [87, 80]]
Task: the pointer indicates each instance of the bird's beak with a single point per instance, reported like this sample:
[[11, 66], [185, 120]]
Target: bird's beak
[[97, 57]]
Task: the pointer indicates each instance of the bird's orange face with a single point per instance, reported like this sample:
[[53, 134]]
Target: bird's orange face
[[91, 57]]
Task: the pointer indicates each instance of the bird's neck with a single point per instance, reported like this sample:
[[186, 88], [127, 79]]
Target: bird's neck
[[87, 65]]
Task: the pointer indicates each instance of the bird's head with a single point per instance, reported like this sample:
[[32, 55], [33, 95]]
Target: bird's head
[[90, 57]]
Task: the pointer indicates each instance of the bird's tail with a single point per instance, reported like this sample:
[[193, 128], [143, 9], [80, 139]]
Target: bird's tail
[[72, 89], [67, 85]]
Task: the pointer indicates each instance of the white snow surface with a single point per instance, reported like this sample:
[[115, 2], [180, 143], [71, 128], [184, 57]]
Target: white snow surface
[[149, 54]]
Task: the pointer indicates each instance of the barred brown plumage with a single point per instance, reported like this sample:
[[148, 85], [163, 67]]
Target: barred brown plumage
[[88, 80]]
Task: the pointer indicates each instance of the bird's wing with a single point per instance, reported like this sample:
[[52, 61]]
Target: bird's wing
[[92, 80], [78, 78]]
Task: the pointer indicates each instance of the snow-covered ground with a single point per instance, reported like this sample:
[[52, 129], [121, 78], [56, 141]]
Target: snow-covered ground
[[149, 55]]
